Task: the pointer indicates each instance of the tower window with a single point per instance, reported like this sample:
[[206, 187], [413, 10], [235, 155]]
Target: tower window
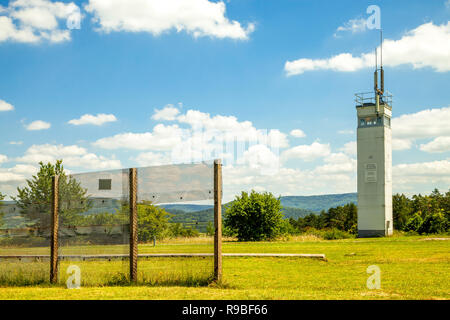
[[104, 184]]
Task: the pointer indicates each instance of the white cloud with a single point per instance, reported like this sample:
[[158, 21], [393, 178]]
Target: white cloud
[[353, 26], [350, 148], [298, 133], [426, 46], [337, 163], [145, 159], [16, 143], [72, 156], [3, 158], [168, 113], [6, 176], [196, 17], [438, 145], [38, 125], [5, 106], [261, 158], [162, 138], [97, 120], [401, 144], [427, 123], [422, 177], [307, 152], [447, 4], [31, 21]]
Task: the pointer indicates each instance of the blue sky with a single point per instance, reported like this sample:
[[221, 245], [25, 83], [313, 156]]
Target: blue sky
[[232, 64]]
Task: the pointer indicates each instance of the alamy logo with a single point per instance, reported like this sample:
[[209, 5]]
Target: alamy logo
[[74, 279], [374, 21], [374, 281]]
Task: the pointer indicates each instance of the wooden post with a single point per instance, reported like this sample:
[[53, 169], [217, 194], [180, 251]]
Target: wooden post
[[54, 231], [133, 225], [218, 220]]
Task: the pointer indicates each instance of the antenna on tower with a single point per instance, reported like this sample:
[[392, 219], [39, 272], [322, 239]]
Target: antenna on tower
[[375, 74], [381, 68]]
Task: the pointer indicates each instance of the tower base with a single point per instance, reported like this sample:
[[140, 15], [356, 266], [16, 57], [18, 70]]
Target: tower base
[[371, 233]]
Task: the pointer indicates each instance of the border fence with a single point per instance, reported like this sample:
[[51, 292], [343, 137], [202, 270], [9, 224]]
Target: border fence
[[99, 216]]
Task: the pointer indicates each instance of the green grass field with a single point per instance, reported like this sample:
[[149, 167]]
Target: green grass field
[[411, 268]]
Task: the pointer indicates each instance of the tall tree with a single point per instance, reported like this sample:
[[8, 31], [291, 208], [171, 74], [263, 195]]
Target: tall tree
[[34, 200], [153, 222]]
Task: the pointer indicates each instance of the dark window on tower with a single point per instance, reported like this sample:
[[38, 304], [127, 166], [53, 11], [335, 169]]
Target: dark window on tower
[[104, 184]]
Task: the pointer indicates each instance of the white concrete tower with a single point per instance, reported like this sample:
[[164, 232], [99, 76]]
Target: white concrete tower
[[374, 149]]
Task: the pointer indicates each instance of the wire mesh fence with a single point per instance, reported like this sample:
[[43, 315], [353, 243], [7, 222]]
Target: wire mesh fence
[[95, 228], [171, 262], [24, 237]]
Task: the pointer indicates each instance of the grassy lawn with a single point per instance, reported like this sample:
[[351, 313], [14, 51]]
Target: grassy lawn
[[411, 268]]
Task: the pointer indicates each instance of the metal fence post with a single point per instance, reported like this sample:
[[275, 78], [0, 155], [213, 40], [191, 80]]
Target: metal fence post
[[218, 220], [54, 231], [133, 225]]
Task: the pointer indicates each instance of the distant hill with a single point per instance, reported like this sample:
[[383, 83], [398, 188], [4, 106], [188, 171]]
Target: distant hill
[[186, 207], [290, 212], [319, 203]]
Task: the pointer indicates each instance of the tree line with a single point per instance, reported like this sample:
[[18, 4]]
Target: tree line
[[250, 217]]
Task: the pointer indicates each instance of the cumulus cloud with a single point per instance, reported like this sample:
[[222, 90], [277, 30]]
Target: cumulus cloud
[[97, 120], [424, 175], [72, 156], [196, 17], [353, 25], [337, 163], [195, 136], [307, 152], [38, 125], [168, 113], [145, 159], [401, 144], [438, 145], [298, 133], [350, 148], [5, 106], [426, 46], [425, 124], [3, 158], [31, 21], [161, 138]]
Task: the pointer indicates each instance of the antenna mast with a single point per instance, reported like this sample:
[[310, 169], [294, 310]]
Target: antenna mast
[[381, 69]]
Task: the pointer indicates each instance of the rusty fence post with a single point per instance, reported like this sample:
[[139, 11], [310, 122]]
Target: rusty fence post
[[54, 231], [133, 225], [218, 220]]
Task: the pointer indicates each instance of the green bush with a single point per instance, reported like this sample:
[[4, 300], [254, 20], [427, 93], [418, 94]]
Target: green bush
[[434, 223], [414, 223], [334, 234], [254, 217]]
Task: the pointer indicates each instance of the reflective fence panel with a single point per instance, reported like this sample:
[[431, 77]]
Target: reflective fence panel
[[24, 233], [176, 224], [94, 228]]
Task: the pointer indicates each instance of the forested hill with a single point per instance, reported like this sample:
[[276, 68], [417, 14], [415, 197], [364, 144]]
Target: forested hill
[[319, 203], [307, 203], [293, 207]]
